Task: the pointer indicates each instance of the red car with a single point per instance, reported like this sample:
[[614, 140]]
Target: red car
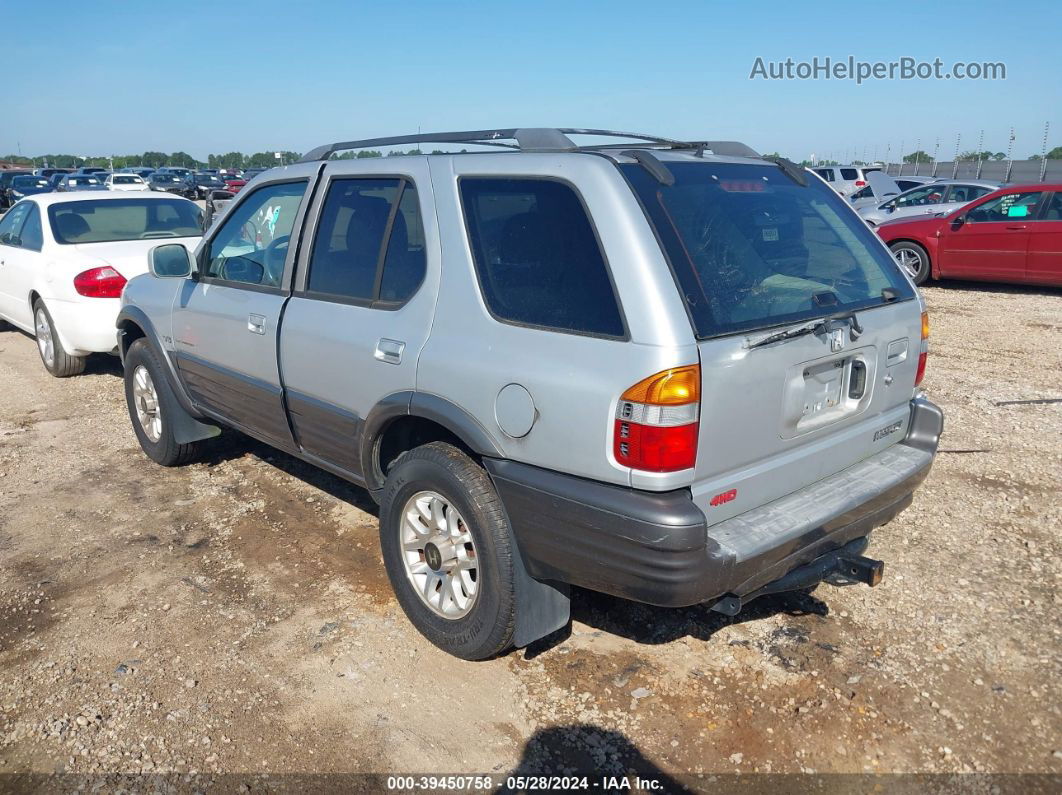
[[1013, 234], [233, 184]]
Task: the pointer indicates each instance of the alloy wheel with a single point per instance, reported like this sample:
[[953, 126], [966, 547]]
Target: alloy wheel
[[146, 401], [45, 340], [439, 554], [910, 260]]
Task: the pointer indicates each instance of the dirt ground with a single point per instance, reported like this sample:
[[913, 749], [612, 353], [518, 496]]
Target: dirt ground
[[233, 616]]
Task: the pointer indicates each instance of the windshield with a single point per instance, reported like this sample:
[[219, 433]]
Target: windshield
[[82, 181], [750, 248], [208, 180], [99, 221], [165, 178], [131, 179], [29, 182]]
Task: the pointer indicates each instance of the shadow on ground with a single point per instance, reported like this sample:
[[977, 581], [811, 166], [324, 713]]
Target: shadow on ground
[[657, 625], [603, 756]]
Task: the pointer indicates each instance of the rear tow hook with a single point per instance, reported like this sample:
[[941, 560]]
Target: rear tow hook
[[836, 568]]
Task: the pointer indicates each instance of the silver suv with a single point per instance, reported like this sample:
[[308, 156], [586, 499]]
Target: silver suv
[[674, 372]]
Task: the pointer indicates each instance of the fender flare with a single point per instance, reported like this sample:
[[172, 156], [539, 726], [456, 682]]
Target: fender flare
[[430, 407], [186, 427]]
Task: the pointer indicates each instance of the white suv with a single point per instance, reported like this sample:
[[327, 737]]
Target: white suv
[[845, 179]]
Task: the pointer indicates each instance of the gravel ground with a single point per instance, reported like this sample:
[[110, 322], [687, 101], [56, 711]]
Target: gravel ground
[[233, 616]]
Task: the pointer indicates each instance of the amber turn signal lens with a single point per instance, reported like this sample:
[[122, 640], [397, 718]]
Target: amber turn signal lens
[[673, 387], [925, 325]]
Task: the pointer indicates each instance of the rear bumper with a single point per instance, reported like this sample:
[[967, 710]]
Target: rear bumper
[[85, 326], [657, 548]]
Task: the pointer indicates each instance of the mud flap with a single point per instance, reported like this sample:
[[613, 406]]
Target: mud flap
[[187, 430], [541, 607]]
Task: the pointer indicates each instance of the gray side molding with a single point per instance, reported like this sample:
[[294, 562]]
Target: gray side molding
[[926, 425]]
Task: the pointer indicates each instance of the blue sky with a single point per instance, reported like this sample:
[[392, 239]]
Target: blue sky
[[116, 77]]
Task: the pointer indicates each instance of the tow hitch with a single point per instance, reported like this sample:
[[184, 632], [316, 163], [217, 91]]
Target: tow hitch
[[845, 566]]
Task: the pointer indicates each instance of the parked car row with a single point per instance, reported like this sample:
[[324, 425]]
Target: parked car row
[[1011, 234], [16, 184]]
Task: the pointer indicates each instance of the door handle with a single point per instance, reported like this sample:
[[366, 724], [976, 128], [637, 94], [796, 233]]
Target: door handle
[[389, 351], [1016, 227], [256, 324]]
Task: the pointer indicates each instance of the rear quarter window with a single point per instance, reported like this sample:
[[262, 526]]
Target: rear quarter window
[[537, 256]]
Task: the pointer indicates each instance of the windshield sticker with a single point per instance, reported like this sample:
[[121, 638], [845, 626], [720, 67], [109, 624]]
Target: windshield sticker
[[770, 234]]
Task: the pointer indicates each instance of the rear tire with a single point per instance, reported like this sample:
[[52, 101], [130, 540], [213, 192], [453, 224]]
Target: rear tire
[[460, 596], [152, 407], [912, 258], [53, 356]]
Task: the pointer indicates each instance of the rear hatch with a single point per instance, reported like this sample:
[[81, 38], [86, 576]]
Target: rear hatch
[[808, 334]]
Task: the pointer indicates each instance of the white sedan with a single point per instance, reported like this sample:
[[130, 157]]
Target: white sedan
[[125, 182], [65, 257]]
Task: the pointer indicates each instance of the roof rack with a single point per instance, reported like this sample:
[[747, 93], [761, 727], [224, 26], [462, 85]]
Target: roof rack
[[535, 139]]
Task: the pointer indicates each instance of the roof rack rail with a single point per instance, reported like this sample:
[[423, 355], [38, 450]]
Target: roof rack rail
[[540, 139]]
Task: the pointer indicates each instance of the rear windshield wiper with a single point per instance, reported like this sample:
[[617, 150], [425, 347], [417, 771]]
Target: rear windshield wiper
[[827, 324]]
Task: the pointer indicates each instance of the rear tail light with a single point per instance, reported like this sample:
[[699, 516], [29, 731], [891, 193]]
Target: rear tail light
[[923, 350], [860, 183], [103, 282], [657, 421]]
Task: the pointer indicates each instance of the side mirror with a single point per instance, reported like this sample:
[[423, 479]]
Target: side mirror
[[958, 221], [172, 261]]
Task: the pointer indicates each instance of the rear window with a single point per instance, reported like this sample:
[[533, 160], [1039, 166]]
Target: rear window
[[849, 173], [750, 248], [537, 257], [126, 180], [99, 221], [350, 260]]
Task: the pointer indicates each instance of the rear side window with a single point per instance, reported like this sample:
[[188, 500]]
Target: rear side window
[[537, 257], [370, 242], [32, 233], [11, 223], [1005, 207], [826, 174], [967, 193], [849, 173]]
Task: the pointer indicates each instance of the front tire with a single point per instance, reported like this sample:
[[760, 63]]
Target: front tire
[[152, 407], [912, 258], [53, 355], [448, 550]]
